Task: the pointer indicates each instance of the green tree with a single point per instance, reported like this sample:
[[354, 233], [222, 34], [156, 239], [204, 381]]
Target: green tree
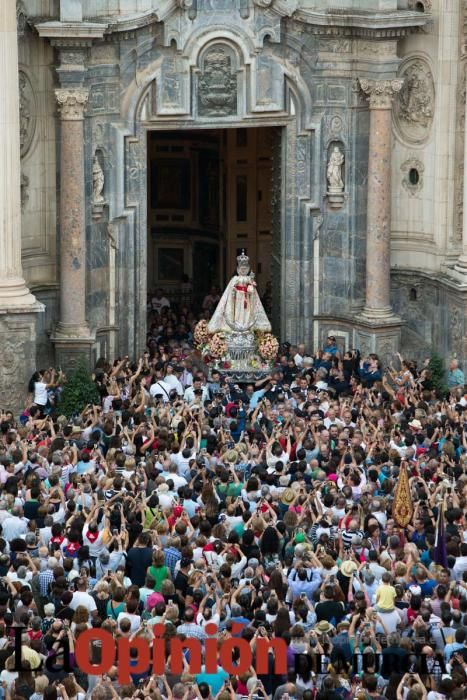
[[438, 375], [79, 390]]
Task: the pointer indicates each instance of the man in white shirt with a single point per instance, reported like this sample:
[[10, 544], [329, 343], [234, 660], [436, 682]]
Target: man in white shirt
[[298, 358], [461, 564], [190, 396], [82, 597], [160, 390], [15, 525], [171, 378], [159, 301]]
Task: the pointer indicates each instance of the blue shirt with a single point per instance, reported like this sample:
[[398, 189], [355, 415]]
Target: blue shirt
[[214, 680]]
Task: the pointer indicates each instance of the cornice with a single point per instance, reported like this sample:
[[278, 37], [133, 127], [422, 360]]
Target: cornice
[[364, 24], [73, 31]]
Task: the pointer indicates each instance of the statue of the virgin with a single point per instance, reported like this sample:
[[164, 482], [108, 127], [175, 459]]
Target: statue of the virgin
[[240, 308]]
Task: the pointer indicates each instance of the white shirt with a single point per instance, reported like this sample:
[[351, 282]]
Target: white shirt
[[40, 393], [134, 619], [298, 359], [14, 527], [83, 598], [158, 304], [172, 380], [161, 389], [190, 397]]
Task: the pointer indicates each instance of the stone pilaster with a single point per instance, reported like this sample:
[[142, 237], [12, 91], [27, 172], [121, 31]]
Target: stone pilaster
[[18, 307], [461, 265], [72, 335], [380, 327]]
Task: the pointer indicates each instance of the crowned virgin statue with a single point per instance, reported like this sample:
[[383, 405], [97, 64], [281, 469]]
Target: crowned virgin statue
[[240, 309]]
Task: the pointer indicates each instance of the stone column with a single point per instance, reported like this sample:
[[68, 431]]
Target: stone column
[[378, 329], [71, 105], [18, 307], [378, 247], [72, 336], [13, 290], [461, 265]]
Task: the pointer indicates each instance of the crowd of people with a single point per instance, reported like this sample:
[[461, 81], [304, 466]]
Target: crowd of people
[[266, 508]]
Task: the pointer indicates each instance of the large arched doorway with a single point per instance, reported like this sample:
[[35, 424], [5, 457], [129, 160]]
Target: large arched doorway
[[174, 109]]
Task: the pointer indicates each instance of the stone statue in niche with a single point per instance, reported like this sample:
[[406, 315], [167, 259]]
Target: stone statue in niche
[[334, 175], [217, 92], [334, 170], [97, 181]]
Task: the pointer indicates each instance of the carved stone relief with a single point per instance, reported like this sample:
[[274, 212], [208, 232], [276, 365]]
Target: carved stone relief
[[427, 5], [217, 86], [21, 18], [24, 190], [27, 113], [335, 45], [414, 108], [413, 170]]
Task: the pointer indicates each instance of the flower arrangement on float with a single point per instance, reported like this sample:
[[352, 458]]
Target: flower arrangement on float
[[213, 347], [268, 346]]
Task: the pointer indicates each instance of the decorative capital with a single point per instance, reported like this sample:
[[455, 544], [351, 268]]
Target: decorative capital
[[381, 92], [72, 103]]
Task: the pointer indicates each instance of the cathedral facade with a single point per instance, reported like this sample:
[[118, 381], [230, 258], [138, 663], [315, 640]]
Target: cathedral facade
[[158, 138]]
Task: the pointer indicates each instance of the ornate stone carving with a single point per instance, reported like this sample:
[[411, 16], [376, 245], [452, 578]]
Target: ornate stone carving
[[414, 108], [335, 45], [427, 5], [217, 89], [319, 220], [336, 124], [381, 92], [72, 103], [27, 113], [282, 7], [21, 18], [376, 48], [413, 170], [24, 190]]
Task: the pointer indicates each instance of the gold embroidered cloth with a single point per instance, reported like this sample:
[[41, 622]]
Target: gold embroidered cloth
[[402, 507]]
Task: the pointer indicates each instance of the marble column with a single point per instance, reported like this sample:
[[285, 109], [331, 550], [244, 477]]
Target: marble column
[[71, 105], [18, 307], [13, 290], [378, 248]]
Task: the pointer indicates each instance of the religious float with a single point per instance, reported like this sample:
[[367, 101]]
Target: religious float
[[237, 341]]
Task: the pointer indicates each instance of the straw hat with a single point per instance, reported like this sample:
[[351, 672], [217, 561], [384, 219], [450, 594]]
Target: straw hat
[[348, 568], [288, 497]]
